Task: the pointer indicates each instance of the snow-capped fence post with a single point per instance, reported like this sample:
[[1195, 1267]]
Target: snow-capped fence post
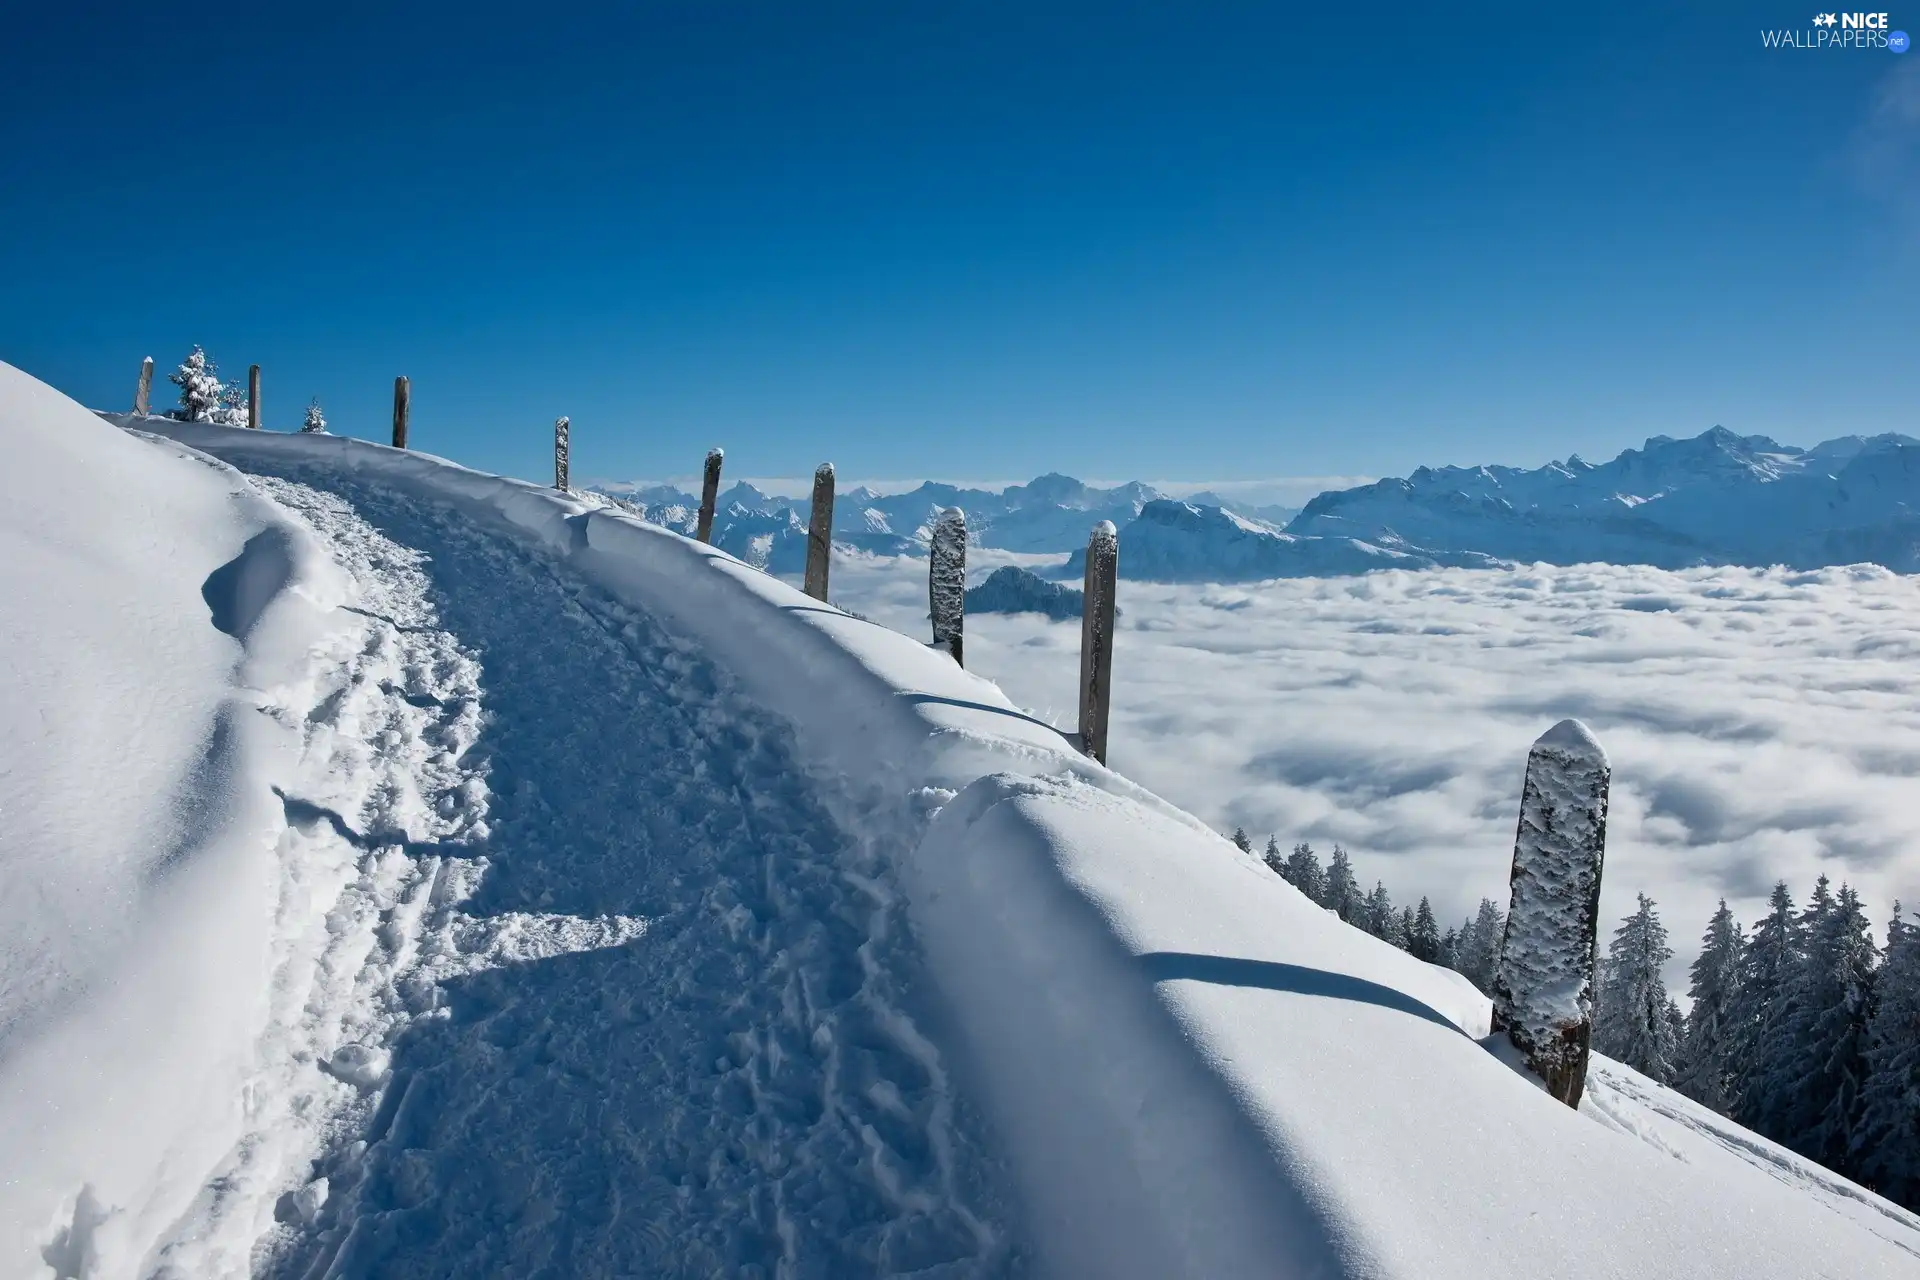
[[947, 581], [143, 395], [402, 405], [562, 431], [820, 532], [709, 494], [1543, 988], [1096, 639], [253, 396]]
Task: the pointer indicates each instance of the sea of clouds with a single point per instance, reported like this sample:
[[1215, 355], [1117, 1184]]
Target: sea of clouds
[[1762, 724]]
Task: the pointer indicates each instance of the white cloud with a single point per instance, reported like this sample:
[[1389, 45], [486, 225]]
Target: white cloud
[[1762, 724]]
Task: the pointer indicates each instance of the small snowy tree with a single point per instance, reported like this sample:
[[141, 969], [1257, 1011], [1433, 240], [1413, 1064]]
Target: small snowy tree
[[1274, 859], [233, 405], [1886, 1140], [315, 420], [1705, 1069], [1303, 873], [200, 391], [1241, 840], [1343, 891], [1632, 1023]]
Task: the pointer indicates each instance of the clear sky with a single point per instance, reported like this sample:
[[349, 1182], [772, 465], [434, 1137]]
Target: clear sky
[[1166, 241]]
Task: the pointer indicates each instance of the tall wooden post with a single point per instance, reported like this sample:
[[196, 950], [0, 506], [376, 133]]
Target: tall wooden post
[[820, 532], [562, 429], [1096, 639], [709, 494], [143, 395], [402, 407], [253, 396], [947, 581], [1543, 987]]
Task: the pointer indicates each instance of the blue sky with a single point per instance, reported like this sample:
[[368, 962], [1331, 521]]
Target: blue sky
[[1168, 241]]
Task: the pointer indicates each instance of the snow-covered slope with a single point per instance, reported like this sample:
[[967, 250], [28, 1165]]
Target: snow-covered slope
[[784, 830], [1180, 542], [1717, 498], [152, 605]]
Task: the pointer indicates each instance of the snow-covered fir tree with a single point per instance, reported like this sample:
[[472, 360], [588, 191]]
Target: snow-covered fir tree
[[1343, 891], [1382, 920], [1705, 1070], [1631, 1023], [1423, 934], [1303, 873], [1242, 840], [200, 390], [1478, 950], [1886, 1137], [1275, 860], [1837, 997], [1763, 1048], [233, 405], [315, 421]]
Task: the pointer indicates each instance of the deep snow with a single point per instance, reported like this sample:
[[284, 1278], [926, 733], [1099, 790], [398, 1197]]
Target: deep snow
[[649, 915]]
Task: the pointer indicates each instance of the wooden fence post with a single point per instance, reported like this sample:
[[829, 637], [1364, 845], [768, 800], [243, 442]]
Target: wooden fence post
[[1096, 639], [253, 397], [1543, 987], [820, 533], [709, 494], [402, 406], [143, 396], [562, 431], [947, 581]]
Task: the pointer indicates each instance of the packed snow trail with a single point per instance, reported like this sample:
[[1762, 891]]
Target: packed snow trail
[[647, 1013]]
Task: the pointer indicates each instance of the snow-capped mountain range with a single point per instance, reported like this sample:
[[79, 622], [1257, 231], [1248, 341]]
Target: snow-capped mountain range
[[1716, 498]]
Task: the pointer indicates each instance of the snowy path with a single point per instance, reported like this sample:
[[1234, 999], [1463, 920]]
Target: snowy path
[[604, 989]]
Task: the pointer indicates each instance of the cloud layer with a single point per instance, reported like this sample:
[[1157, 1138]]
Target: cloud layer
[[1762, 724]]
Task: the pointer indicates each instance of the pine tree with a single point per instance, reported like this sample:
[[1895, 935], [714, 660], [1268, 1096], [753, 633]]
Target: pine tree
[[1241, 840], [1449, 952], [1705, 1071], [199, 381], [1762, 1051], [1343, 891], [1886, 1140], [316, 421], [1480, 941], [1402, 936], [1423, 934], [1274, 858], [1380, 916], [1303, 873], [1631, 1023], [233, 405], [1838, 998]]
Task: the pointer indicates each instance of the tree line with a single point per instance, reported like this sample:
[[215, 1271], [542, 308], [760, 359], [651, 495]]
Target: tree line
[[1803, 1029]]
